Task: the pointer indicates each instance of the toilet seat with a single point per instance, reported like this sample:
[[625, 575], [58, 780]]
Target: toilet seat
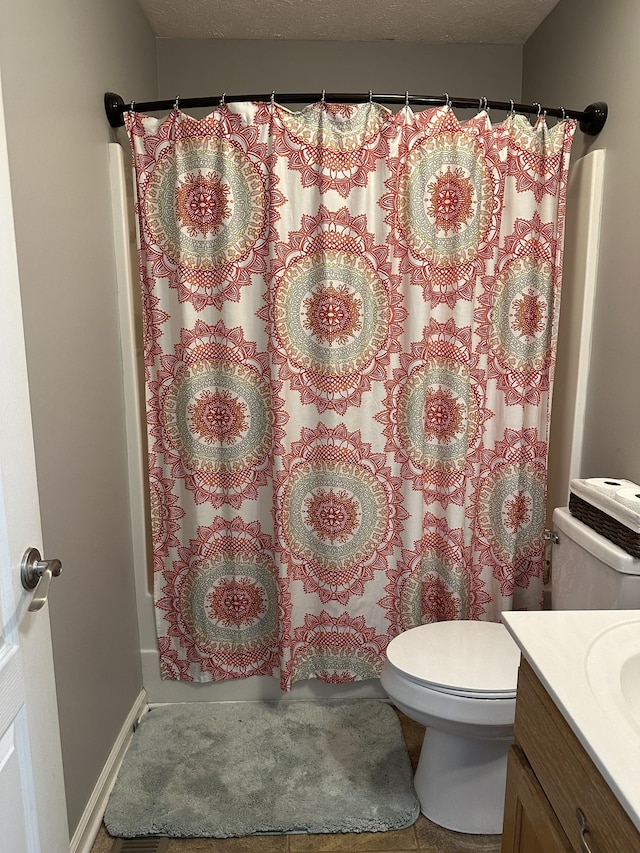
[[477, 660]]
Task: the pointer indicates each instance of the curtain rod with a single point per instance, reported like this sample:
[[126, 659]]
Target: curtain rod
[[592, 119]]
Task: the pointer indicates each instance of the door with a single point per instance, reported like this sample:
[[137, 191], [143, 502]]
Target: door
[[32, 804], [530, 824]]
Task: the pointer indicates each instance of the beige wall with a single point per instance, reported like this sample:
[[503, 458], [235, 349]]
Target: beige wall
[[57, 58], [587, 50], [188, 67]]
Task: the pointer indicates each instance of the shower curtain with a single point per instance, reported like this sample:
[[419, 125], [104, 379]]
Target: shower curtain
[[350, 322]]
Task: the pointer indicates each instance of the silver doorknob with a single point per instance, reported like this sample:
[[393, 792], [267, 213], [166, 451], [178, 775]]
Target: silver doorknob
[[36, 573]]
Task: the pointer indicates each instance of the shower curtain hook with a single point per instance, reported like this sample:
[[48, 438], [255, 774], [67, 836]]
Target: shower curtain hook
[[406, 98], [512, 111], [447, 100], [539, 106], [564, 115], [176, 104], [486, 106], [132, 107], [222, 99], [324, 93], [370, 96], [273, 97]]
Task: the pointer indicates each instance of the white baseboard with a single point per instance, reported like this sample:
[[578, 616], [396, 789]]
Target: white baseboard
[[89, 825]]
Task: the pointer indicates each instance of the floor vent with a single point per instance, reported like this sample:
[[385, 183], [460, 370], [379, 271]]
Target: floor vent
[[140, 845]]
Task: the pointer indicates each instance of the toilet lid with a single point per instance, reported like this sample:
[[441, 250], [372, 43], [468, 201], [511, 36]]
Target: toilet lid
[[467, 658]]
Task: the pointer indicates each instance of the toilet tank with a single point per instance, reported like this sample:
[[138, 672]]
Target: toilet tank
[[588, 572]]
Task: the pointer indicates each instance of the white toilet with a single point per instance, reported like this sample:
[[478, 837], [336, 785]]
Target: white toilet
[[459, 679]]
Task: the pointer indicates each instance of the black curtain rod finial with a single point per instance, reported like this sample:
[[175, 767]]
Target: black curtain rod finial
[[594, 118], [113, 105]]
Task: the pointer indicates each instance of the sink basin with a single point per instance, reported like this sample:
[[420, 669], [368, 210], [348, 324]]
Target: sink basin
[[630, 683], [613, 672]]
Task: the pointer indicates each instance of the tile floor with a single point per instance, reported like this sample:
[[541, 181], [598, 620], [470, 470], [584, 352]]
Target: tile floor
[[422, 837]]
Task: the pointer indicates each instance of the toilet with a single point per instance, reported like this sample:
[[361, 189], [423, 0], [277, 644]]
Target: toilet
[[459, 679]]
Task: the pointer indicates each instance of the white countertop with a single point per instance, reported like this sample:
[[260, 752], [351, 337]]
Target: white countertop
[[558, 644]]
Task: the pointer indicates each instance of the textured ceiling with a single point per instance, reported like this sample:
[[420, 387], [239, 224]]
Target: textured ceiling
[[460, 21]]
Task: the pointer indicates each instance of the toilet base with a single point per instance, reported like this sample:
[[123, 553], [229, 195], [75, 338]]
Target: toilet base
[[460, 782]]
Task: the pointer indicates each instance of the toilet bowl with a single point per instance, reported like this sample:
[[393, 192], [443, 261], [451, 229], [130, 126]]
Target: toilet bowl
[[459, 680]]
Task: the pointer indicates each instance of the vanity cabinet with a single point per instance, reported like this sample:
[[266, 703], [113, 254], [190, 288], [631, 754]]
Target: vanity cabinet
[[556, 799]]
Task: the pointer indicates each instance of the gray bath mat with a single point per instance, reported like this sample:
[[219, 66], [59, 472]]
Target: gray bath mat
[[245, 768]]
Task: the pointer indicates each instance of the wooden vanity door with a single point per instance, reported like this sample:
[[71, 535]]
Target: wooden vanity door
[[530, 825]]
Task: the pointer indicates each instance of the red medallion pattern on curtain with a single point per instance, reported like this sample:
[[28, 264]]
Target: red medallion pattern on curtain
[[350, 323]]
